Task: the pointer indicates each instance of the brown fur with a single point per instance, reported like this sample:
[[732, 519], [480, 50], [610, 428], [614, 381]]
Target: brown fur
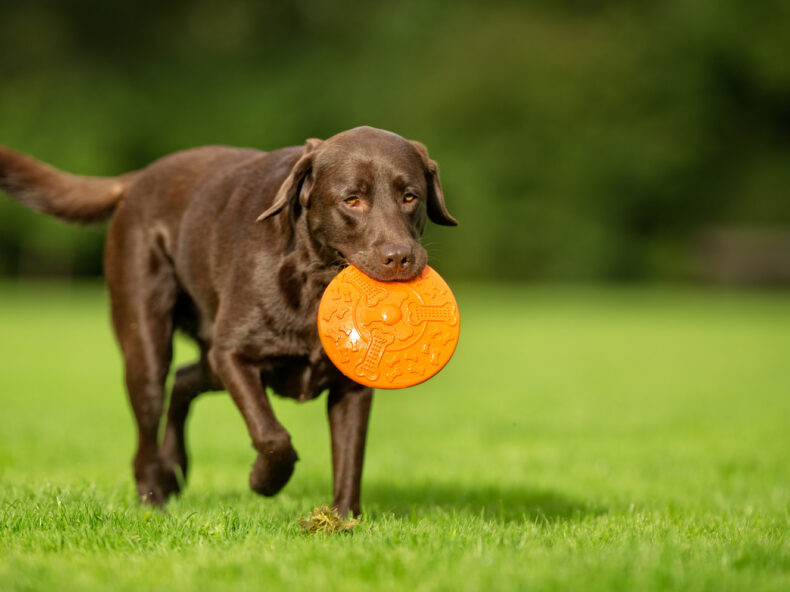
[[235, 247]]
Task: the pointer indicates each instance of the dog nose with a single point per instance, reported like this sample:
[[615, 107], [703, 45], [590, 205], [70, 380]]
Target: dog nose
[[396, 257]]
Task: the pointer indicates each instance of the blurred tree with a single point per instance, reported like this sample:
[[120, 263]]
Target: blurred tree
[[576, 139]]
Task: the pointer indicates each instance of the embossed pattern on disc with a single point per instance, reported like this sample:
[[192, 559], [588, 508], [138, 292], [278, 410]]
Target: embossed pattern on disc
[[388, 334]]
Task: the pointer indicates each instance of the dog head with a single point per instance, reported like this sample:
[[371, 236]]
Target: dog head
[[365, 195]]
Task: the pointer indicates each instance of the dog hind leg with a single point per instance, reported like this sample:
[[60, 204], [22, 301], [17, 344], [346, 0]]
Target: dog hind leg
[[143, 290], [190, 381]]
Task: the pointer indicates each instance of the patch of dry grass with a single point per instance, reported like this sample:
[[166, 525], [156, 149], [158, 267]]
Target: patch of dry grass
[[326, 520]]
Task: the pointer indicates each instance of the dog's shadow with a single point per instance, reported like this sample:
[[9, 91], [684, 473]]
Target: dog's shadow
[[491, 502]]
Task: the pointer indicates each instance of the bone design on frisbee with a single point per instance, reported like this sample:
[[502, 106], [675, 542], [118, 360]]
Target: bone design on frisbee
[[388, 334]]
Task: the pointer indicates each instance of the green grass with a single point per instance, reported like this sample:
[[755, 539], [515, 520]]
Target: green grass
[[601, 439]]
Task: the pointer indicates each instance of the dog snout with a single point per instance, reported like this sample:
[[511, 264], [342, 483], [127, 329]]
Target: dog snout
[[396, 257]]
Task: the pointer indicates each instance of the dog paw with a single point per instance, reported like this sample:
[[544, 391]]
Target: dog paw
[[273, 468], [155, 483], [170, 479], [151, 494]]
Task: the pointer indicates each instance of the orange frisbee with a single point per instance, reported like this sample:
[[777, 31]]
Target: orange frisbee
[[388, 334]]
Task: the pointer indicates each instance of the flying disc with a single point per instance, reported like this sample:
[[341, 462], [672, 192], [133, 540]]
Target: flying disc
[[388, 334]]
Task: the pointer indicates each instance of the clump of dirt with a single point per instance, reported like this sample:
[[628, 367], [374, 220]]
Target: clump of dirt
[[326, 520]]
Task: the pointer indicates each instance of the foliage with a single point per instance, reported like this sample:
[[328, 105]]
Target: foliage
[[576, 139]]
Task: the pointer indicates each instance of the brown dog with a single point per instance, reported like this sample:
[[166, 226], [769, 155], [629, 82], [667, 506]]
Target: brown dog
[[235, 247]]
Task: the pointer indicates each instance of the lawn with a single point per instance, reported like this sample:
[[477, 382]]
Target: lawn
[[581, 439]]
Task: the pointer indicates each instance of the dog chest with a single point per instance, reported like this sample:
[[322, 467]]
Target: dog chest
[[299, 378]]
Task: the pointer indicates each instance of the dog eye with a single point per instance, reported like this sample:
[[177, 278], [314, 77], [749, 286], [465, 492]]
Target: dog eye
[[352, 201], [409, 197]]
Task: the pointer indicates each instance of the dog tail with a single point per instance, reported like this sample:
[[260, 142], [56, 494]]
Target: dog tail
[[72, 198]]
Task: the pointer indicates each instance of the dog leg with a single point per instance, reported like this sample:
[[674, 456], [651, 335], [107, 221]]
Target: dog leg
[[142, 294], [190, 381], [276, 456], [147, 351], [349, 410]]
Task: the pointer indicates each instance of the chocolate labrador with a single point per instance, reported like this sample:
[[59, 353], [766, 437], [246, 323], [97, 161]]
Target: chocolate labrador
[[235, 247]]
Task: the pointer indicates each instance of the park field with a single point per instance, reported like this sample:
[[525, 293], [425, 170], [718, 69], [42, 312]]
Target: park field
[[581, 439]]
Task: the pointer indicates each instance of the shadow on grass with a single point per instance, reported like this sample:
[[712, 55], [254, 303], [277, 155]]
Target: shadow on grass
[[507, 504], [491, 502]]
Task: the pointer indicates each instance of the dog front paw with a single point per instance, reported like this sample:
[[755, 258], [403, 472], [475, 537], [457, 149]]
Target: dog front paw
[[273, 468]]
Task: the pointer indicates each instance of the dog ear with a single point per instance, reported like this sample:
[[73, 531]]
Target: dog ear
[[296, 184], [437, 211]]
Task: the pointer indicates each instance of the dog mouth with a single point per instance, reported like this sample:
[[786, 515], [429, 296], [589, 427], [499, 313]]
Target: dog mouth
[[340, 260], [382, 275]]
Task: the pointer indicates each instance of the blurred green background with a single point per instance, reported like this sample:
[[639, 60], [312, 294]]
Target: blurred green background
[[577, 139]]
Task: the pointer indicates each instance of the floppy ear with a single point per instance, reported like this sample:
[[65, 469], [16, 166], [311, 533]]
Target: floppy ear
[[437, 211], [294, 185]]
